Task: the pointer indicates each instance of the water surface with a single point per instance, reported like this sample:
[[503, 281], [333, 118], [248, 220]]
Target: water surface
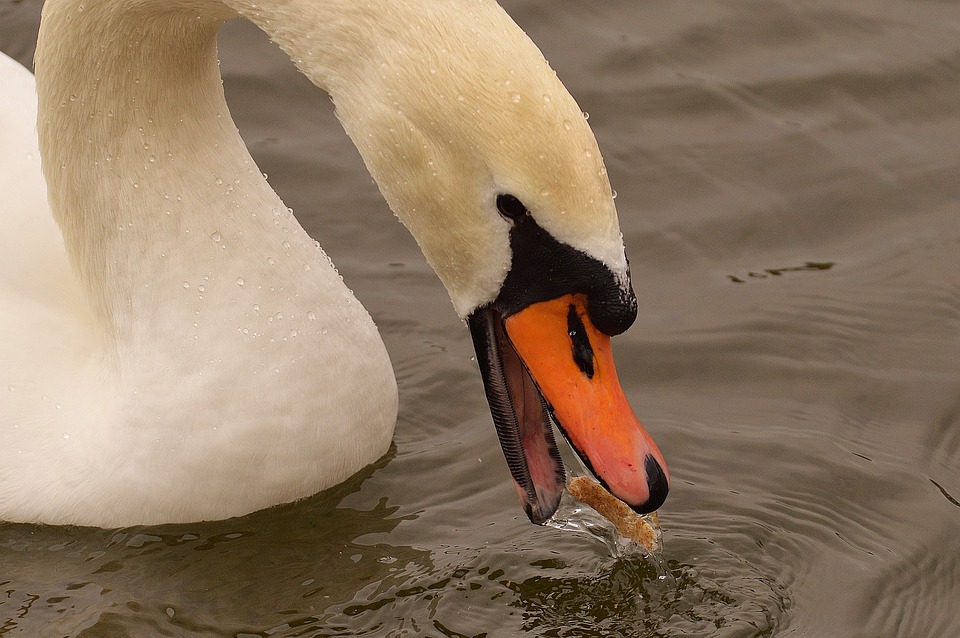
[[787, 178]]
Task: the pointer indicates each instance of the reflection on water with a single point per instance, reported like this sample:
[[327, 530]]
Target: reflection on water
[[787, 178], [631, 598], [621, 597], [267, 570]]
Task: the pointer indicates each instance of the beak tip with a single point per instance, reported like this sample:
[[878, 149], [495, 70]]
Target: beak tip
[[539, 512], [658, 484]]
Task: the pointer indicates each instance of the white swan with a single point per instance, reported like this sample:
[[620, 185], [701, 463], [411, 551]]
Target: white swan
[[176, 348]]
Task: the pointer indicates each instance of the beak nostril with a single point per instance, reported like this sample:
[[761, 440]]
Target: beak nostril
[[582, 350], [658, 485]]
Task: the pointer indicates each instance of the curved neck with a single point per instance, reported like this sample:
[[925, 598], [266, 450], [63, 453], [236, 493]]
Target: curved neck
[[153, 188]]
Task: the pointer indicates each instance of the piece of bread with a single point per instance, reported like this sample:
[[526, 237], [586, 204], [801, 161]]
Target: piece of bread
[[628, 523]]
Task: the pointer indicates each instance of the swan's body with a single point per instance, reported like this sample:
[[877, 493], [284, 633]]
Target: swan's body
[[183, 350], [243, 390]]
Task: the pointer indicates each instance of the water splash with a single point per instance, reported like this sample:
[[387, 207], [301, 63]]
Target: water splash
[[574, 516]]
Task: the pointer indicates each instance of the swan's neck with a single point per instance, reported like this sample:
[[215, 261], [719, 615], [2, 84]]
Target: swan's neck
[[448, 103], [160, 204]]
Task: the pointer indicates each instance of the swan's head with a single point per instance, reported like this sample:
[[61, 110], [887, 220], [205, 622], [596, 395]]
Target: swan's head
[[486, 158]]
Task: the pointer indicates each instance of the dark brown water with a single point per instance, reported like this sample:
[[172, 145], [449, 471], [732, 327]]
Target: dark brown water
[[789, 191]]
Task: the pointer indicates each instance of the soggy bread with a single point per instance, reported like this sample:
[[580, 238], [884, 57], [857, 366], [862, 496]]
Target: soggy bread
[[628, 523]]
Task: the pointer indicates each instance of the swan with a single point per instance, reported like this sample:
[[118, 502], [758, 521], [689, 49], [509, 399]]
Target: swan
[[174, 347]]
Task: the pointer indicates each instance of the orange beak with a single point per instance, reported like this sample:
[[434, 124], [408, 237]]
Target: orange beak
[[549, 359], [572, 364]]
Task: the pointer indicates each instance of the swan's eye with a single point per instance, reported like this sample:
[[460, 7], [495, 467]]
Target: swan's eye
[[511, 207]]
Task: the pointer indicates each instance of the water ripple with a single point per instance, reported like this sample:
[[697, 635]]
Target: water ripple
[[908, 598]]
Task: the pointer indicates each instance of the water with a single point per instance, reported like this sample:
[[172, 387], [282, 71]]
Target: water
[[788, 190]]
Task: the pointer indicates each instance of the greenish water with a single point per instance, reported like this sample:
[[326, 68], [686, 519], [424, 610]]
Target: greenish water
[[787, 178]]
